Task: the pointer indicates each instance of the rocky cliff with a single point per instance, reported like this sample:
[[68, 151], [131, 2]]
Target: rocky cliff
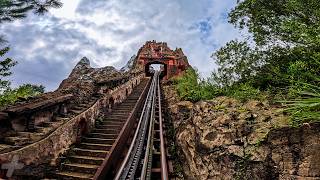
[[226, 139]]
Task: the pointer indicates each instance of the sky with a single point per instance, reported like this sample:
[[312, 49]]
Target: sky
[[109, 32]]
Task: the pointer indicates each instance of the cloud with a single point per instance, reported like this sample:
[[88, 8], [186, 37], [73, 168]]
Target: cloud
[[110, 32]]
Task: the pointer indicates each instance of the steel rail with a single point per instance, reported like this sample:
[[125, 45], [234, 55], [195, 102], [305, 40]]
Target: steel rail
[[164, 166], [147, 164], [132, 152], [141, 149]]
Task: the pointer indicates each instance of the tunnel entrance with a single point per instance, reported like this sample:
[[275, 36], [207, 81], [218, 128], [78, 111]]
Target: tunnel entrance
[[156, 66]]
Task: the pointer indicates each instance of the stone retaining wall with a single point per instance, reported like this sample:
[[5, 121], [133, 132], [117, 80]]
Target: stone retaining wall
[[48, 149]]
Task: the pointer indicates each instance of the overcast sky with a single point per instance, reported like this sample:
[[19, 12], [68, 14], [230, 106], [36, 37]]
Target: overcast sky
[[109, 32]]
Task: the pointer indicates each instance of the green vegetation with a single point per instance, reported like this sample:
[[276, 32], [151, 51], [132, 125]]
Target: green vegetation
[[5, 66], [11, 10], [190, 87], [9, 96], [307, 107], [278, 60]]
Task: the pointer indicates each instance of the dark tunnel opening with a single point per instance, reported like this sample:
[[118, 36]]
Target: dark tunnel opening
[[156, 65]]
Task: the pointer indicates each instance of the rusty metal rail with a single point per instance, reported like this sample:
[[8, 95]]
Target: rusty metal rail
[[146, 157]]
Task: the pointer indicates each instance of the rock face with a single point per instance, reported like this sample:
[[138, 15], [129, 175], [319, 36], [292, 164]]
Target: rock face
[[129, 64], [226, 139], [82, 80]]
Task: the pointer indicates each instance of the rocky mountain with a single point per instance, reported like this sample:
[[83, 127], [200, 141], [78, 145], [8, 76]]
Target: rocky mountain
[[227, 139], [129, 64]]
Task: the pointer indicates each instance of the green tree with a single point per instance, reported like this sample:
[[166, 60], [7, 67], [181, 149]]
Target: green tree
[[285, 47], [191, 87], [283, 56], [5, 66], [11, 10], [10, 96], [292, 22], [236, 61]]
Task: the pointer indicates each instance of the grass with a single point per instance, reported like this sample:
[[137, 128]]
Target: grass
[[306, 108]]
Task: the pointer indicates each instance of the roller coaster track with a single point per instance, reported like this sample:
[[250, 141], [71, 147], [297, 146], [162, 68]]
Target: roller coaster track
[[128, 144], [141, 161]]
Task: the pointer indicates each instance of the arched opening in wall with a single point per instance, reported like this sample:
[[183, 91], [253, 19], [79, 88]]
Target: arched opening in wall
[[136, 82], [111, 104], [151, 67], [132, 86], [82, 129], [127, 92]]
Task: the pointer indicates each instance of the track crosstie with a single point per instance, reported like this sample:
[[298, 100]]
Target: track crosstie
[[146, 157], [128, 144]]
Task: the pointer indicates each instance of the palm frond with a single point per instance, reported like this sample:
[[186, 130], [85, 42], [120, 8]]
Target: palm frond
[[307, 108]]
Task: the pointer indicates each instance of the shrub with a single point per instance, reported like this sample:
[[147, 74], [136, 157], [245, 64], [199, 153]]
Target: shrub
[[244, 92], [191, 88], [305, 108], [10, 96]]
